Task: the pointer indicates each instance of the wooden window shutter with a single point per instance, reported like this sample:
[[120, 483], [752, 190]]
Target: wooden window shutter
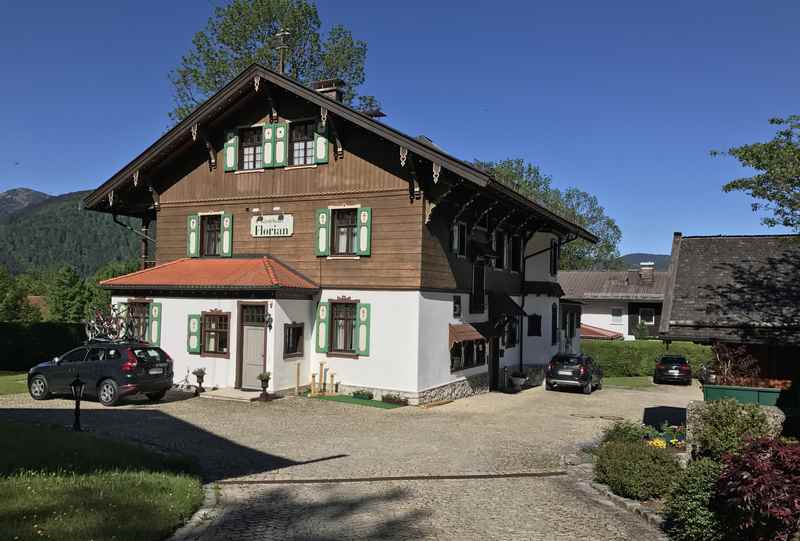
[[269, 145], [320, 144], [193, 334], [231, 150], [154, 324], [322, 233], [227, 234], [363, 312], [323, 317], [193, 235], [281, 144], [364, 231]]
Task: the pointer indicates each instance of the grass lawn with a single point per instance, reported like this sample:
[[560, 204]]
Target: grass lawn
[[58, 484], [360, 401], [13, 382], [634, 382]]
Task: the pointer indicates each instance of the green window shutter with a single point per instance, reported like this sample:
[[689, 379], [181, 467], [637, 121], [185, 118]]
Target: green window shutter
[[320, 144], [227, 234], [269, 145], [364, 231], [154, 324], [281, 144], [193, 235], [323, 317], [193, 334], [322, 232], [362, 329], [231, 150]]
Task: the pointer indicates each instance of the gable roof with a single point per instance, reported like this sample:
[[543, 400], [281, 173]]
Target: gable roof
[[734, 288], [223, 273], [612, 285], [216, 104]]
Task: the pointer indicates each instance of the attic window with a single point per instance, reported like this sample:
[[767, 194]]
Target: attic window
[[251, 149]]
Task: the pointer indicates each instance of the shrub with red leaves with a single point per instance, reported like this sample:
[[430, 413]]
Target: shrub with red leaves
[[757, 497]]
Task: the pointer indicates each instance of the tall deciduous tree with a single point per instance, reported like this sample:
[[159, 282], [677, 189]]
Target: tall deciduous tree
[[572, 204], [243, 32], [776, 186]]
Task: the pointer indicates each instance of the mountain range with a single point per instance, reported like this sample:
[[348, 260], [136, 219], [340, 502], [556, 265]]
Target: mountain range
[[40, 231]]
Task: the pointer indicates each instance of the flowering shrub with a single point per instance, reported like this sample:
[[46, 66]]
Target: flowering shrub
[[757, 496], [723, 425], [635, 469], [658, 443]]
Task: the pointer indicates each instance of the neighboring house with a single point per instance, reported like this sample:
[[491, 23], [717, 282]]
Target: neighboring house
[[292, 230], [737, 290], [617, 301]]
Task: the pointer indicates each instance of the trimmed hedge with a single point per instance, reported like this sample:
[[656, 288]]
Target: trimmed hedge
[[620, 358], [25, 345], [688, 515], [635, 470]]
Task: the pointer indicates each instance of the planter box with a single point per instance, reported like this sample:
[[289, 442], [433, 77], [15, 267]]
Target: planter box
[[745, 395]]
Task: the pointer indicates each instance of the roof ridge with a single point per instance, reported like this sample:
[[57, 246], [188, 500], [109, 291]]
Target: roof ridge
[[142, 271], [268, 268]]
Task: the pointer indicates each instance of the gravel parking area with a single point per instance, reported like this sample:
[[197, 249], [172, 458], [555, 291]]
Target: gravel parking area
[[298, 438]]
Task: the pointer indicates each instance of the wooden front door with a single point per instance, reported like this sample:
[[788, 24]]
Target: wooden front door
[[254, 339]]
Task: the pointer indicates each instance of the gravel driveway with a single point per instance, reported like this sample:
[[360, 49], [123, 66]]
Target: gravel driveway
[[244, 445]]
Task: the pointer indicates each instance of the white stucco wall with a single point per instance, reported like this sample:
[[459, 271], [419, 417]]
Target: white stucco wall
[[539, 349], [394, 342], [284, 370], [220, 372], [598, 314]]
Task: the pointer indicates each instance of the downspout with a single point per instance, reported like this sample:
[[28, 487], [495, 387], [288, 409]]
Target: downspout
[[522, 286]]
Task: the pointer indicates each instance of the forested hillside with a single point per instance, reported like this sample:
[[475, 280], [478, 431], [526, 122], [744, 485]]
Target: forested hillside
[[56, 232]]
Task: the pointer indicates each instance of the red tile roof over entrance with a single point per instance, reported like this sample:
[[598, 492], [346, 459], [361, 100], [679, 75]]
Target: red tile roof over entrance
[[186, 273], [596, 333]]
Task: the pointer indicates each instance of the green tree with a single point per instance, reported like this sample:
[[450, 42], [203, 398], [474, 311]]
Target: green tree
[[14, 305], [243, 32], [99, 298], [573, 204], [776, 186], [67, 296]]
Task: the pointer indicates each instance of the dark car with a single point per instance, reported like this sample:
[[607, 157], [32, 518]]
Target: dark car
[[575, 371], [110, 371], [672, 368]]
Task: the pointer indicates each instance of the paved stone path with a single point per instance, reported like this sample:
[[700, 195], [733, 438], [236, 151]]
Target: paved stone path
[[297, 438]]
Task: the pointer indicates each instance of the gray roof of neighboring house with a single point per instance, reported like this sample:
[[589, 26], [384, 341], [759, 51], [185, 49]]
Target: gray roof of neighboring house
[[734, 289], [613, 285]]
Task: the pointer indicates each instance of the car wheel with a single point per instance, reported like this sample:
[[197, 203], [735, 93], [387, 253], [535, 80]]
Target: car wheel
[[655, 380], [548, 386], [155, 397], [587, 389], [108, 392], [38, 387], [599, 385]]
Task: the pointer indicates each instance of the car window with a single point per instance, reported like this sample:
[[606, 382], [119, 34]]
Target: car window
[[674, 360], [74, 356], [96, 355], [149, 354]]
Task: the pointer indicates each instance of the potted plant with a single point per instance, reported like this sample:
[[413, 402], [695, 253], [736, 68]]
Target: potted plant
[[518, 379], [264, 378], [200, 374]]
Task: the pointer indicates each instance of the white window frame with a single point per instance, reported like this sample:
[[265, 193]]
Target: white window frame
[[652, 320], [331, 208], [503, 249], [617, 320], [455, 236]]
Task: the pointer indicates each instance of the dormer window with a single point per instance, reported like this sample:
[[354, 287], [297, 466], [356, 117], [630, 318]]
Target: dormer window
[[301, 140], [251, 149]]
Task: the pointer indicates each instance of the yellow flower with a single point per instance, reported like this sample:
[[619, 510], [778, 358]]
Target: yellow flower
[[658, 443]]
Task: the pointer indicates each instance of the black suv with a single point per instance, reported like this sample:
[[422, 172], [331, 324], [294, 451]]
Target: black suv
[[673, 368], [110, 371], [573, 370]]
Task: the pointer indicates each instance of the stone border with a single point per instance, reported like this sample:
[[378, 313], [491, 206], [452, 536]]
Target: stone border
[[633, 506], [202, 518]]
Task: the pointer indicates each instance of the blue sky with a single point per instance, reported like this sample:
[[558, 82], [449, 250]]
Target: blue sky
[[623, 99]]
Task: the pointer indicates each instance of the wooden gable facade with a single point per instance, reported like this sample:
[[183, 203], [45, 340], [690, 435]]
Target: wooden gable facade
[[415, 192]]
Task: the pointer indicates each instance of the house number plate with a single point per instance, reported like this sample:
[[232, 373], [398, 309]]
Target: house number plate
[[272, 225]]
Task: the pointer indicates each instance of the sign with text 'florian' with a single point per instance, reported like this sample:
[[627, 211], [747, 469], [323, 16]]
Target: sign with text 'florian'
[[272, 225]]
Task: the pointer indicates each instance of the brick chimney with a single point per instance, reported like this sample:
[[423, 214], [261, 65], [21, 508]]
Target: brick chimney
[[331, 88], [646, 272]]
